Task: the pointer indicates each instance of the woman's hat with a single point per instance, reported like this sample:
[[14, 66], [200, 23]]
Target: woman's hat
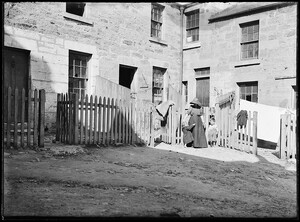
[[196, 102]]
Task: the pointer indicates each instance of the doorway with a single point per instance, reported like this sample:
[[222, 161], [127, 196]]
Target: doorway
[[126, 74], [16, 75], [202, 91]]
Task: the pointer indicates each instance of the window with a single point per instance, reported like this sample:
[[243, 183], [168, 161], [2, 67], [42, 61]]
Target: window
[[126, 74], [249, 40], [78, 72], [202, 71], [249, 91], [158, 85], [192, 26], [185, 91], [295, 97], [156, 20], [76, 8]]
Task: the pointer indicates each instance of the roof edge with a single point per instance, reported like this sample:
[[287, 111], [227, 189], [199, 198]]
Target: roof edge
[[252, 10]]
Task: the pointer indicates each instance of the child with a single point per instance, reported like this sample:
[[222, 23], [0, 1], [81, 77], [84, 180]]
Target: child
[[212, 133]]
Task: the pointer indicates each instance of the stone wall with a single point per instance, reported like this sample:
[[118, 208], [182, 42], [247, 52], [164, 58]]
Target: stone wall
[[220, 50], [114, 33]]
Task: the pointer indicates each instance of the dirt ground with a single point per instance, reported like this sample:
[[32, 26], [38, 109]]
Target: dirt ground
[[134, 181]]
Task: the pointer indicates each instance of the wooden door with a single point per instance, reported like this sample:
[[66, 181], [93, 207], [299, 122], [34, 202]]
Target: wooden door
[[202, 91], [16, 75]]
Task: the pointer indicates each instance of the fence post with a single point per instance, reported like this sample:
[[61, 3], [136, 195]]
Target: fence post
[[86, 119], [76, 110], [41, 117], [288, 136], [70, 119], [16, 119], [22, 116], [104, 121], [283, 135], [151, 128], [8, 116], [95, 120], [81, 118], [35, 123], [91, 121], [58, 123], [255, 132], [29, 118], [108, 122]]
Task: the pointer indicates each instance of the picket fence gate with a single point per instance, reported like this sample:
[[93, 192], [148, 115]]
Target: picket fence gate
[[93, 120], [24, 118], [229, 134], [288, 136], [172, 133]]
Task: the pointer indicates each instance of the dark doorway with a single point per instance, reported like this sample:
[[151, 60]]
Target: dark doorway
[[16, 74], [202, 90], [126, 75]]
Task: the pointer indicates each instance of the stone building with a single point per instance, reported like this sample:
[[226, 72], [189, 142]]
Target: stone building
[[111, 40], [249, 48], [196, 48]]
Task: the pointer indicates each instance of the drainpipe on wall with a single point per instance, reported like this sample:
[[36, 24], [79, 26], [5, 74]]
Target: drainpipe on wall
[[181, 48]]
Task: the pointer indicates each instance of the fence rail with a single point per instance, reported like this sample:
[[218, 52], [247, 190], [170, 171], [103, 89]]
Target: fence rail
[[93, 120], [24, 118], [288, 129]]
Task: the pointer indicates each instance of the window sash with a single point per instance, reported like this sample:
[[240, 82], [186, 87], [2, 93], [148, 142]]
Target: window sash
[[250, 33], [156, 13], [192, 20], [249, 92], [158, 84], [249, 50], [249, 40], [78, 72], [194, 33]]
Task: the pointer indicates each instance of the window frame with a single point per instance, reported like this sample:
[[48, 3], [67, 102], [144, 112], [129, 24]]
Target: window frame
[[160, 86], [202, 72], [77, 4], [157, 22], [185, 85], [243, 86], [83, 19], [195, 28], [252, 43], [82, 78]]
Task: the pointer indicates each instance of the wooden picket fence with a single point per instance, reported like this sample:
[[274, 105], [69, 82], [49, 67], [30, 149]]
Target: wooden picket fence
[[288, 130], [230, 135], [93, 120], [24, 118]]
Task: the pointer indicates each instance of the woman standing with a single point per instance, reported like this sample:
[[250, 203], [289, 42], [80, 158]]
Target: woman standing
[[198, 130]]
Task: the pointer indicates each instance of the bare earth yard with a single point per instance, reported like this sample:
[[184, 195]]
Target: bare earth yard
[[134, 181]]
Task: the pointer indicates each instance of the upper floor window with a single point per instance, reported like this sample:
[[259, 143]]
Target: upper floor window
[[249, 40], [202, 72], [249, 91], [78, 72], [76, 8], [156, 20], [192, 26]]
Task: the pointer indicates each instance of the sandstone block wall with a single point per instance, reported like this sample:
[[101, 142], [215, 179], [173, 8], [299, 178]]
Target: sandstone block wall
[[116, 33], [221, 52]]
